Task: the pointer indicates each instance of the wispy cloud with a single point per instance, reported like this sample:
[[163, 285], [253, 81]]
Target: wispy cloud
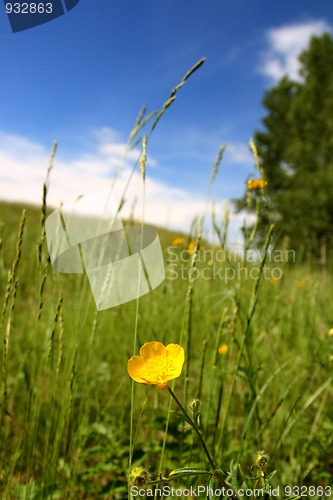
[[285, 45], [239, 153], [24, 164]]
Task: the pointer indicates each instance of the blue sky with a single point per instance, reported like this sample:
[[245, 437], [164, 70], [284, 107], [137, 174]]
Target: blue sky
[[83, 78]]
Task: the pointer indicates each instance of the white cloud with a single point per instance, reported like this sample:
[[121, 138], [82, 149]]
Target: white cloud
[[285, 45], [239, 152], [23, 170]]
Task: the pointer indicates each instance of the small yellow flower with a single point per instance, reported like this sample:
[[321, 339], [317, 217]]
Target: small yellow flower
[[330, 332], [223, 349], [192, 246], [256, 183], [177, 241], [300, 284], [273, 280], [157, 364]]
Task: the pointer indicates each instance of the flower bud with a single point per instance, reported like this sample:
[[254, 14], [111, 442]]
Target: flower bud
[[195, 405], [138, 476], [262, 458]]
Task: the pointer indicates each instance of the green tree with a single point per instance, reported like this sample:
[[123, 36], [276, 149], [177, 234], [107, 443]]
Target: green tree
[[296, 150]]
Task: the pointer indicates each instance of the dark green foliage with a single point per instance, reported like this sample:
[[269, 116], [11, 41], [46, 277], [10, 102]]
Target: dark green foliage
[[296, 150]]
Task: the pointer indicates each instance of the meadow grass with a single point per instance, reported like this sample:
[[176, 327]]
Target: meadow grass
[[67, 396], [258, 357]]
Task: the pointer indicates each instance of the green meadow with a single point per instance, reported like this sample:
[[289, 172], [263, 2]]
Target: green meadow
[[66, 396], [255, 392]]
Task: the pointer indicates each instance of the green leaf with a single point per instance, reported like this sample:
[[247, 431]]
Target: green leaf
[[211, 489], [221, 471], [189, 471], [272, 474]]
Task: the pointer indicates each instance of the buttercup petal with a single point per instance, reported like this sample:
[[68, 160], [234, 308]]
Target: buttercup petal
[[151, 350], [136, 369], [177, 356]]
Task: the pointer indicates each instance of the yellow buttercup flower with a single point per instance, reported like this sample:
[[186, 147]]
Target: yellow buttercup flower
[[157, 364], [192, 246], [223, 349], [177, 241], [300, 284], [273, 280], [256, 183], [330, 332]]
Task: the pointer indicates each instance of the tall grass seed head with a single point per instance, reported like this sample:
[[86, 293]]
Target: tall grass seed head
[[229, 320], [249, 202]]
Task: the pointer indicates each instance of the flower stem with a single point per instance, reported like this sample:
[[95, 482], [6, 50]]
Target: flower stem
[[203, 444]]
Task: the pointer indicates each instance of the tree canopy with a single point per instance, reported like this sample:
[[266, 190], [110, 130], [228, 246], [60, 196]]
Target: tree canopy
[[296, 149]]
